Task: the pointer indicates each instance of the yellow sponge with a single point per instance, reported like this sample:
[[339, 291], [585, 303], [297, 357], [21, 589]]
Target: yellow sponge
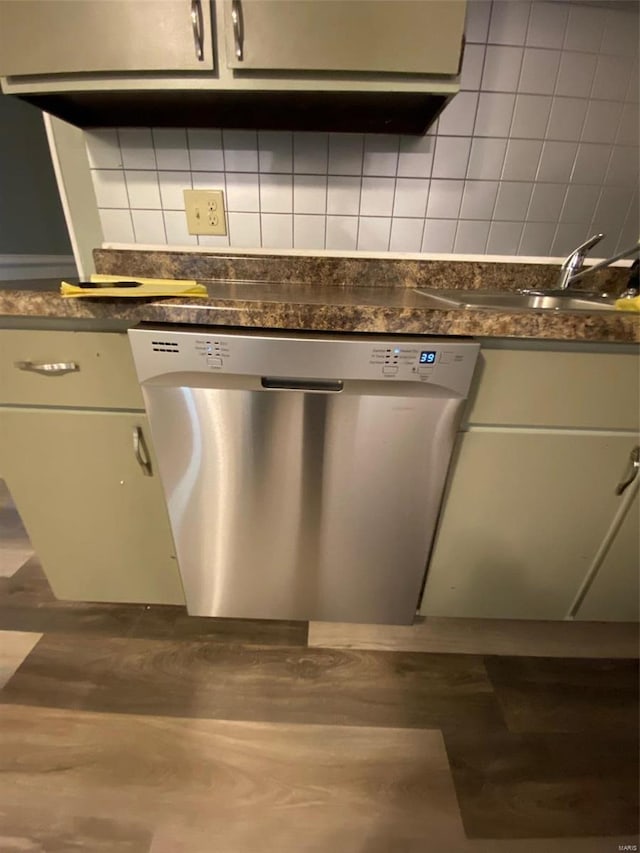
[[627, 304], [149, 287]]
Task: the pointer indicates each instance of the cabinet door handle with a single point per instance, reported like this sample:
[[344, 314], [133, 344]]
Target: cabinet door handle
[[633, 466], [56, 368], [140, 451], [238, 28], [198, 28]]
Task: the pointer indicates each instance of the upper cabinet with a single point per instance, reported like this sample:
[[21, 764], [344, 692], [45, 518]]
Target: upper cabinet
[[385, 36], [45, 37], [338, 65]]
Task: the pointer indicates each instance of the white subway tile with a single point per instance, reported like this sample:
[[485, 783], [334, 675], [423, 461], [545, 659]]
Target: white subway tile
[[308, 231], [218, 241], [342, 232], [512, 201], [381, 154], [472, 63], [580, 203], [310, 153], [345, 153], [585, 28], [556, 161], [137, 149], [205, 150], [243, 192], [628, 130], [539, 71], [277, 230], [567, 238], [240, 150], [275, 151], [451, 157], [459, 115], [504, 238], [621, 30], [478, 199], [445, 198], [377, 196], [501, 68], [117, 226], [537, 239], [477, 21], [276, 194], [633, 89], [623, 166], [591, 164], [611, 78], [103, 149], [374, 233], [172, 187], [416, 156], [521, 160], [143, 189], [576, 74], [406, 234], [148, 227], [546, 202], [508, 22], [611, 210], [439, 235], [310, 194], [530, 116], [486, 158], [343, 195], [631, 228], [411, 197], [602, 121], [547, 24], [207, 180], [471, 237], [244, 230], [495, 111], [110, 188], [567, 118], [172, 151], [175, 224]]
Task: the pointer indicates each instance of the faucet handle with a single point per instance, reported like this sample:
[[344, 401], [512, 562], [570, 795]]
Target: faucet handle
[[573, 263], [582, 250]]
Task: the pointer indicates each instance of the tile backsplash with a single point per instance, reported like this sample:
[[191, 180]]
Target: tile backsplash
[[538, 151]]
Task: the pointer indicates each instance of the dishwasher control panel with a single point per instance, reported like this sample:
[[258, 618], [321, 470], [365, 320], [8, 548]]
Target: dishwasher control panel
[[160, 352]]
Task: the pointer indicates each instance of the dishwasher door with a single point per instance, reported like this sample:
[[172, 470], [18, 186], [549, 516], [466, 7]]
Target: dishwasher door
[[298, 500]]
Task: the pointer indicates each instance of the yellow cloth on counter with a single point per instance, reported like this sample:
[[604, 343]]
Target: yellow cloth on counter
[[148, 287], [628, 304]]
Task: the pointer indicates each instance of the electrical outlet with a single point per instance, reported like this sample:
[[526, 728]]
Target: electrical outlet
[[205, 211]]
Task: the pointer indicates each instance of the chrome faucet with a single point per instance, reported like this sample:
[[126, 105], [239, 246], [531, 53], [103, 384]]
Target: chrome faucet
[[573, 264]]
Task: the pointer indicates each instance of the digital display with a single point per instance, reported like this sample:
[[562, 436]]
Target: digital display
[[427, 357]]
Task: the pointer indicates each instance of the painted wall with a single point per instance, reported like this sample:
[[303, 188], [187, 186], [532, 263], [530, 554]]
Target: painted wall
[[537, 152], [31, 218]]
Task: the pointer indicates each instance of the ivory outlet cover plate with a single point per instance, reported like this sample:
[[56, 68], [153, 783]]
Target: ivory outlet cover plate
[[205, 211]]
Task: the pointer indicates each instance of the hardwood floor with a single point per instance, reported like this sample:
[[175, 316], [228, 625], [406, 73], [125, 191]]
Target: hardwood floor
[[143, 730]]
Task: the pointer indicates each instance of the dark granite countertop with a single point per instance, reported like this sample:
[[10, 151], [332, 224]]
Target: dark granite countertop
[[278, 298]]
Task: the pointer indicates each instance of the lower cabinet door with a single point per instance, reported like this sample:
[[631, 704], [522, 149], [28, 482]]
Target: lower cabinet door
[[86, 487], [614, 595], [523, 517]]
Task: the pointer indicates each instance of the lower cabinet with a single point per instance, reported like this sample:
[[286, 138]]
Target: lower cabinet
[[92, 503], [524, 515]]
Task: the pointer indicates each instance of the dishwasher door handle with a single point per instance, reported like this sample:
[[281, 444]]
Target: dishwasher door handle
[[284, 383]]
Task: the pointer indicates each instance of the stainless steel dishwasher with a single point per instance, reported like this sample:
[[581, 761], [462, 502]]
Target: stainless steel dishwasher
[[303, 473]]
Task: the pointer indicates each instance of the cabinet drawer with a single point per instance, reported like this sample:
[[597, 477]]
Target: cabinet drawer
[[556, 389], [102, 374]]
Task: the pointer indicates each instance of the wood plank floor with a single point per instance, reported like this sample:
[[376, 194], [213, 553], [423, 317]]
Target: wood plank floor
[[143, 730]]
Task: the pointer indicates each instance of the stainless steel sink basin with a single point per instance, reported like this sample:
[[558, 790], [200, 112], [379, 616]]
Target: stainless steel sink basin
[[514, 301]]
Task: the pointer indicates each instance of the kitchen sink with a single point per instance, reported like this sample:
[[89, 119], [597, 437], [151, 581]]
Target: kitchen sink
[[514, 301]]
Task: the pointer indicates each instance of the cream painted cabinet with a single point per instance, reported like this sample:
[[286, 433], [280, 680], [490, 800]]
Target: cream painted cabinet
[[76, 456], [50, 37], [384, 36]]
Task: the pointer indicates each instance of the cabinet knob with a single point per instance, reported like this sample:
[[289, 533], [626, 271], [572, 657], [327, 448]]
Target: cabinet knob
[[56, 368]]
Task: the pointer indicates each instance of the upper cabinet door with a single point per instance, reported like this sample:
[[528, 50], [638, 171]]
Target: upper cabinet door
[[88, 36], [392, 36]]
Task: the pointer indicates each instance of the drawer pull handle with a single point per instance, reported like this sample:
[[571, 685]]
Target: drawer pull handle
[[56, 368], [238, 29], [196, 23], [140, 452], [633, 466]]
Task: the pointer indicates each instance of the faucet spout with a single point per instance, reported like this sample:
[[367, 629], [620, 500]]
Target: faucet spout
[[573, 264]]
